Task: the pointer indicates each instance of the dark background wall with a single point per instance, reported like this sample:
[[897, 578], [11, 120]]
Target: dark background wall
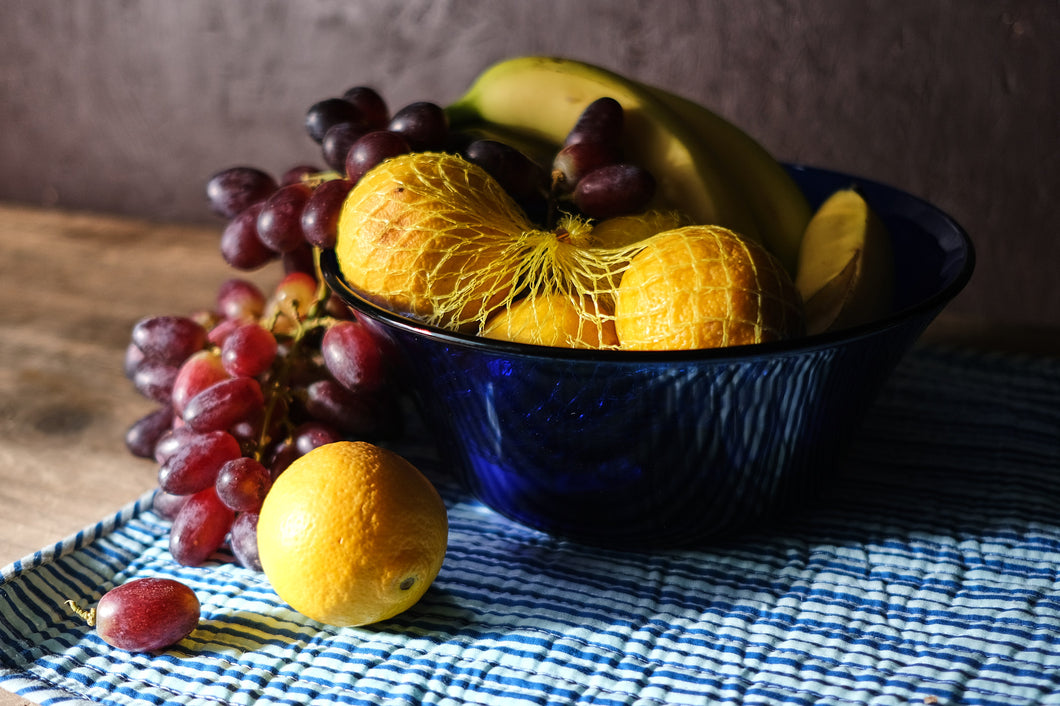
[[127, 107]]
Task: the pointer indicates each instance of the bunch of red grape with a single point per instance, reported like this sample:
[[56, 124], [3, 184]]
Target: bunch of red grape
[[243, 390], [256, 381], [588, 176], [590, 167], [286, 219]]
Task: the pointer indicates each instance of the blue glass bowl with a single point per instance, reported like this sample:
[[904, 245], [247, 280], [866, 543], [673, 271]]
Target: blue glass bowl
[[657, 449]]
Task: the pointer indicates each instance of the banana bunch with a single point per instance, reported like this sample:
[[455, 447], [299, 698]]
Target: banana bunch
[[704, 165]]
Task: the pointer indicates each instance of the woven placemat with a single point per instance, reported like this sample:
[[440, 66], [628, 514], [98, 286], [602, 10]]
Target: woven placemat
[[929, 573]]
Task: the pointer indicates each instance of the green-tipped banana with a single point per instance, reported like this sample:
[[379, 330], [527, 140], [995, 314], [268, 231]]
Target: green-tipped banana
[[543, 97], [779, 208]]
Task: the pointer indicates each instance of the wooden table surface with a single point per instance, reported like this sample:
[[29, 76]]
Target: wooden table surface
[[71, 287]]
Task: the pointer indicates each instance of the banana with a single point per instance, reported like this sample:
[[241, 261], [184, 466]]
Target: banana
[[542, 98], [780, 209], [846, 264]]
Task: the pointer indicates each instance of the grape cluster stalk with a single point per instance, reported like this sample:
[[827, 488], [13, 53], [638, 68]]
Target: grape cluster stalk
[[259, 379]]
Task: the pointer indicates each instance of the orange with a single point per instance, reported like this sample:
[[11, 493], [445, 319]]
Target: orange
[[704, 287], [431, 235], [352, 534], [621, 231], [554, 319]]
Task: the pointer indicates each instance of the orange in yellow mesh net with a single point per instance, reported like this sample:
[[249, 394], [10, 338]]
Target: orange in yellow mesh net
[[704, 287], [434, 237]]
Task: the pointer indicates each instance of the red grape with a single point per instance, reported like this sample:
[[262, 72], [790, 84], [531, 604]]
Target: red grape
[[337, 143], [353, 356], [300, 259], [366, 415], [320, 217], [155, 380], [233, 190], [223, 330], [601, 121], [423, 124], [330, 111], [614, 190], [518, 174], [240, 299], [244, 540], [576, 160], [168, 339], [171, 442], [240, 245], [249, 350], [167, 505], [223, 404], [133, 358], [200, 371], [293, 296], [282, 456], [298, 174], [280, 220], [593, 142], [250, 430], [371, 106], [144, 614], [336, 308], [372, 149], [199, 528], [242, 484], [196, 463], [311, 435], [142, 437]]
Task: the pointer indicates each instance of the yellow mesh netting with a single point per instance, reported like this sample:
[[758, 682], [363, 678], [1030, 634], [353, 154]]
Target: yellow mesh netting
[[433, 236]]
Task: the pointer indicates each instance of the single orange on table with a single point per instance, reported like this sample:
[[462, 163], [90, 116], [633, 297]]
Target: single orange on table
[[352, 534]]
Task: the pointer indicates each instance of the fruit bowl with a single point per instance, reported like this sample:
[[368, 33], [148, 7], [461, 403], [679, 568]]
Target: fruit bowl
[[657, 449]]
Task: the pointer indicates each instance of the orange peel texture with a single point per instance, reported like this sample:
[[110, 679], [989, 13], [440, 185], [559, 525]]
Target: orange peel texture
[[705, 287]]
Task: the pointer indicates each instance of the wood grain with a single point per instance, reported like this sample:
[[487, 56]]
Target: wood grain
[[72, 286]]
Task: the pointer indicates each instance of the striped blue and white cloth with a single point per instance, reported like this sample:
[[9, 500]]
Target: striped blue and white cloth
[[929, 574]]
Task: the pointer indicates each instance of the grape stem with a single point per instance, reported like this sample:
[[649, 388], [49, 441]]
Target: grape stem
[[315, 180], [89, 616], [314, 319]]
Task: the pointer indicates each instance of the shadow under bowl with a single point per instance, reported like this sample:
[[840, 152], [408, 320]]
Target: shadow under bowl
[[658, 449]]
